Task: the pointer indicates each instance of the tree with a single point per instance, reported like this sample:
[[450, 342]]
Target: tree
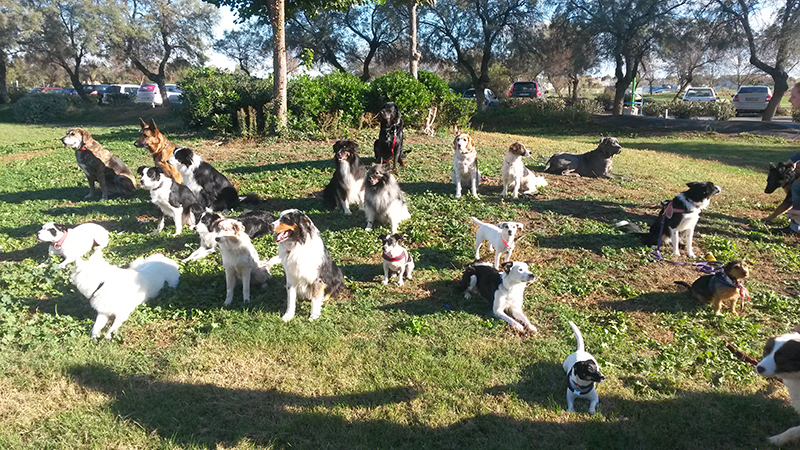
[[323, 34], [475, 31], [567, 52], [246, 46], [777, 42], [377, 26], [689, 45], [625, 30], [153, 33]]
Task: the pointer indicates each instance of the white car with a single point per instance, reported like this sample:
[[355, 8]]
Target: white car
[[129, 89], [752, 99], [700, 94], [150, 93], [490, 100]]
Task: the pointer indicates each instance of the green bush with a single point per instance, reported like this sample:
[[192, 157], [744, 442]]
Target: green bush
[[457, 111], [437, 87], [548, 112], [118, 99], [720, 110], [307, 100], [654, 108], [40, 108], [345, 96], [411, 95]]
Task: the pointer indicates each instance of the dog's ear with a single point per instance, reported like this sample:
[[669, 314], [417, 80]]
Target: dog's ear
[[398, 237], [506, 266], [153, 125], [502, 225], [142, 123], [140, 170], [60, 227], [238, 227], [382, 237], [771, 166], [521, 225]]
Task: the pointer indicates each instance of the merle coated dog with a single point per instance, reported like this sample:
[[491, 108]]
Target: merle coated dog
[[347, 184], [389, 145]]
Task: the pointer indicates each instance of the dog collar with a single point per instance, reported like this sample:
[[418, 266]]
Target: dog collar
[[60, 242], [84, 148], [578, 390], [506, 243], [669, 210], [395, 258], [161, 149], [744, 294]]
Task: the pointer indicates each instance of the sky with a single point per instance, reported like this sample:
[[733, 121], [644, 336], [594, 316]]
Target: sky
[[227, 19]]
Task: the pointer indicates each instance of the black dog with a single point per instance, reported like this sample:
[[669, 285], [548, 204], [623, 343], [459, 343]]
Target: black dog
[[347, 185], [780, 176], [389, 145]]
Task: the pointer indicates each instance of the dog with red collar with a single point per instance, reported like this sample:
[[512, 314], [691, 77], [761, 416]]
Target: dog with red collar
[[500, 237], [72, 243], [100, 166], [396, 259]]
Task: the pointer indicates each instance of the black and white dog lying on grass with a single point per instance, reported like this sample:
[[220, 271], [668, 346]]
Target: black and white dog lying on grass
[[504, 288]]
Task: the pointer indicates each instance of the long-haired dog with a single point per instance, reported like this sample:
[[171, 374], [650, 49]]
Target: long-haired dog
[[256, 224], [383, 199], [596, 163], [504, 288], [161, 149], [389, 145], [721, 289], [310, 271], [116, 292], [780, 176], [72, 243], [396, 259], [678, 216], [516, 176], [347, 185], [239, 258], [782, 360], [501, 238], [173, 199], [583, 374], [213, 189], [100, 166], [465, 164]]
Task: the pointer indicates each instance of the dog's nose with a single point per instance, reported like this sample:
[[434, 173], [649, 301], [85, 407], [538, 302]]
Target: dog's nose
[[218, 239], [760, 369]]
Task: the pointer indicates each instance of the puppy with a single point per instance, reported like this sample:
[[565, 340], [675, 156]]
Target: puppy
[[465, 164], [782, 360], [504, 288], [213, 189], [116, 292], [256, 224], [721, 288], [239, 258], [389, 145], [596, 163], [161, 149], [100, 166], [680, 215], [310, 271], [396, 259], [500, 237], [582, 374], [72, 243], [173, 199], [383, 199], [516, 175], [780, 176], [347, 185]]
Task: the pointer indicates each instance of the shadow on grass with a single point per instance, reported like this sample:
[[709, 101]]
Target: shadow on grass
[[211, 416], [594, 242], [445, 295], [755, 157], [656, 302], [598, 210]]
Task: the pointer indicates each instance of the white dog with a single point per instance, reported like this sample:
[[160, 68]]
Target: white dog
[[116, 292], [465, 164], [72, 243], [239, 258], [781, 360], [516, 175], [582, 374], [395, 258], [504, 288], [500, 237]]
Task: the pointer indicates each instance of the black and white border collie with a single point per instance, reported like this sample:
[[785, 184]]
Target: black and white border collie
[[383, 199], [256, 224], [782, 360], [310, 272], [680, 215], [504, 288], [347, 185], [173, 199], [214, 189]]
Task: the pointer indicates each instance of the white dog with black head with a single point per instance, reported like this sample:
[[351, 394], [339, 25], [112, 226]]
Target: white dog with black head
[[72, 243], [583, 374]]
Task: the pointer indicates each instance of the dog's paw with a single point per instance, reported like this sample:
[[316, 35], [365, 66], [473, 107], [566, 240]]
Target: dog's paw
[[385, 281], [400, 281], [347, 212], [153, 233], [530, 328], [228, 301], [287, 317]]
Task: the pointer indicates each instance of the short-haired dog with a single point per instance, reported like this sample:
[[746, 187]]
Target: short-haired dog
[[465, 164], [100, 166], [583, 374], [596, 163], [501, 238], [396, 259], [504, 288], [722, 288], [782, 360], [72, 243], [516, 175], [239, 258]]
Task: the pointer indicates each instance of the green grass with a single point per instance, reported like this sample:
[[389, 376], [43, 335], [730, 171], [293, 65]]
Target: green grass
[[389, 367]]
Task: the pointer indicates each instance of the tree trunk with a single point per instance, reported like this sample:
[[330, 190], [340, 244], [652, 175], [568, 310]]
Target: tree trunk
[[277, 16], [414, 55], [575, 82], [4, 97], [781, 86]]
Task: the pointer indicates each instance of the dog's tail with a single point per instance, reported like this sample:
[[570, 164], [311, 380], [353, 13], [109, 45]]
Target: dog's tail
[[685, 284], [252, 198], [478, 222], [578, 336], [629, 227]]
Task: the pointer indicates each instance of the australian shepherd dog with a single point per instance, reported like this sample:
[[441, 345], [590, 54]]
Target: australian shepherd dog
[[347, 185], [383, 199], [239, 258], [310, 271]]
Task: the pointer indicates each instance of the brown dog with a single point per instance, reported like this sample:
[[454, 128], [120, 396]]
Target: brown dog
[[100, 166], [160, 147], [720, 288]]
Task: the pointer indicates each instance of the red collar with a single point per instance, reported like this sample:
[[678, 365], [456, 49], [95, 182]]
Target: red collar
[[60, 242], [402, 257], [84, 148], [506, 243]]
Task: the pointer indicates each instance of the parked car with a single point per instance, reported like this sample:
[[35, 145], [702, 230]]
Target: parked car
[[174, 93], [67, 91], [150, 93], [128, 89], [528, 89], [751, 99], [700, 94], [45, 90], [490, 100], [95, 89]]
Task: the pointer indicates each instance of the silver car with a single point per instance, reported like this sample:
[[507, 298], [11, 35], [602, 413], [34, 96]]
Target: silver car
[[752, 99]]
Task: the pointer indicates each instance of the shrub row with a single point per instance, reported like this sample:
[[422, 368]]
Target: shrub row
[[719, 110], [548, 112], [41, 108]]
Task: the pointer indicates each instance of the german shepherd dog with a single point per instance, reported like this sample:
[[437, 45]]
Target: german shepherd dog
[[160, 148], [780, 176]]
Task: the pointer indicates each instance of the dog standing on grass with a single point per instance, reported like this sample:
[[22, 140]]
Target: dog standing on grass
[[501, 238]]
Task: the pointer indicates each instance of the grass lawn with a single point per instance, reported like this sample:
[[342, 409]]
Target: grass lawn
[[411, 367]]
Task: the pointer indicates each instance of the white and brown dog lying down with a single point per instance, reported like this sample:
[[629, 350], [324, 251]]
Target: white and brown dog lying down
[[782, 360], [239, 258], [100, 166], [596, 163], [465, 164]]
